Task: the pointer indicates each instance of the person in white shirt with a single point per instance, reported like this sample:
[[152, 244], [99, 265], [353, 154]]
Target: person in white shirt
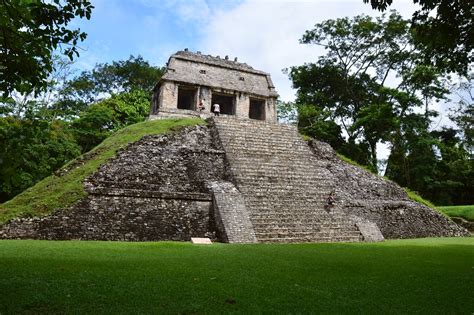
[[217, 109]]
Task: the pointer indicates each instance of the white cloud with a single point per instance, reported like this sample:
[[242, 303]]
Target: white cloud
[[265, 33]]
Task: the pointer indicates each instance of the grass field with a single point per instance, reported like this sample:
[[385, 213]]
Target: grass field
[[406, 276], [466, 212], [55, 192]]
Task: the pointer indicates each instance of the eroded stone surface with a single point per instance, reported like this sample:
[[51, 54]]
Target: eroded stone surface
[[154, 189], [160, 188], [368, 196], [230, 214], [205, 76]]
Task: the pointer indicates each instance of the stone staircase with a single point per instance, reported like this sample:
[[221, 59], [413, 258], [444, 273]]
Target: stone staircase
[[284, 186]]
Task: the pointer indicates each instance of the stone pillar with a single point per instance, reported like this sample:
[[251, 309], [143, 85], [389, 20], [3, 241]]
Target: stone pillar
[[205, 96], [168, 98], [242, 104], [270, 110]]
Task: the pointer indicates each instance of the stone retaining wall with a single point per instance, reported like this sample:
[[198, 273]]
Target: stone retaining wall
[[119, 218]]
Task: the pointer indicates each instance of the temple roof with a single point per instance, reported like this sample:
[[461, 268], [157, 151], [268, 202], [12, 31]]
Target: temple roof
[[205, 70]]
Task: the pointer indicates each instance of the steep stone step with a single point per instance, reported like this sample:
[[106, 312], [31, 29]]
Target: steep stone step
[[285, 188], [330, 239]]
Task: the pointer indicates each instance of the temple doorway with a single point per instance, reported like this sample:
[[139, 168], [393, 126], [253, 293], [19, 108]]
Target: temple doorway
[[187, 97], [226, 102], [257, 109]]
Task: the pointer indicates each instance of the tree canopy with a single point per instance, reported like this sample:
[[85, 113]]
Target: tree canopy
[[349, 82], [373, 86], [30, 32], [106, 79], [443, 30], [40, 132]]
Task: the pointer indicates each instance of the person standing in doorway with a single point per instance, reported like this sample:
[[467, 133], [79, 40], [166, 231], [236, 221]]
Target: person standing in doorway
[[216, 109], [201, 105]]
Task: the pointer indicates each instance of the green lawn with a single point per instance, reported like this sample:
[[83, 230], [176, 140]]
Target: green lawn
[[55, 192], [406, 276], [466, 212]]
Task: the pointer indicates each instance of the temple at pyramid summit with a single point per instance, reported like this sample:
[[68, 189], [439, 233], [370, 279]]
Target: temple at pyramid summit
[[240, 177], [193, 82]]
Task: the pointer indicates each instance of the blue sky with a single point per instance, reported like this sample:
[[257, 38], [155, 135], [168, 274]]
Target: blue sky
[[262, 33], [153, 29]]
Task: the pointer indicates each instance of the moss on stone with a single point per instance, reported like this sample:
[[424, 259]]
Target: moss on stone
[[415, 197]]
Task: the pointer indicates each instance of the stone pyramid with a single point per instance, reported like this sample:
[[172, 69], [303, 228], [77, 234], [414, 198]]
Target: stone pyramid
[[238, 181]]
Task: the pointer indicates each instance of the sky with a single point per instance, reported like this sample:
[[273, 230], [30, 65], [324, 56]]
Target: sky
[[262, 33]]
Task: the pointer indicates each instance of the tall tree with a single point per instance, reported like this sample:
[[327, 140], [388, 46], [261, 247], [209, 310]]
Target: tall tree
[[31, 150], [47, 103], [463, 113], [454, 180], [106, 79], [350, 80], [30, 31], [443, 30], [100, 119]]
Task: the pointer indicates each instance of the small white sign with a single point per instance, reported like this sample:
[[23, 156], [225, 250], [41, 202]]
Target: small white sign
[[201, 240]]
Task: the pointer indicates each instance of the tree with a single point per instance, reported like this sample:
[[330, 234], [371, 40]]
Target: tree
[[99, 120], [443, 30], [463, 113], [286, 112], [109, 79], [47, 104], [454, 179], [30, 31], [40, 132], [31, 150], [350, 80]]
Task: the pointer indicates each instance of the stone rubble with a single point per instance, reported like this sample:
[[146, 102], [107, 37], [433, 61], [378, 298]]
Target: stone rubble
[[365, 195]]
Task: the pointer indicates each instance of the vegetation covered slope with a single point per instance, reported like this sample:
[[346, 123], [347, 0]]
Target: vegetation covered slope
[[465, 212], [65, 187]]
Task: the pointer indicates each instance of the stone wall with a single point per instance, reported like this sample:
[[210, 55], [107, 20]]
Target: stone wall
[[119, 218], [155, 189], [231, 216], [368, 196], [208, 74], [168, 100], [200, 73], [168, 96], [242, 104]]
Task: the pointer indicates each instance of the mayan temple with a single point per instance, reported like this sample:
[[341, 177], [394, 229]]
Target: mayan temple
[[240, 178], [192, 79]]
